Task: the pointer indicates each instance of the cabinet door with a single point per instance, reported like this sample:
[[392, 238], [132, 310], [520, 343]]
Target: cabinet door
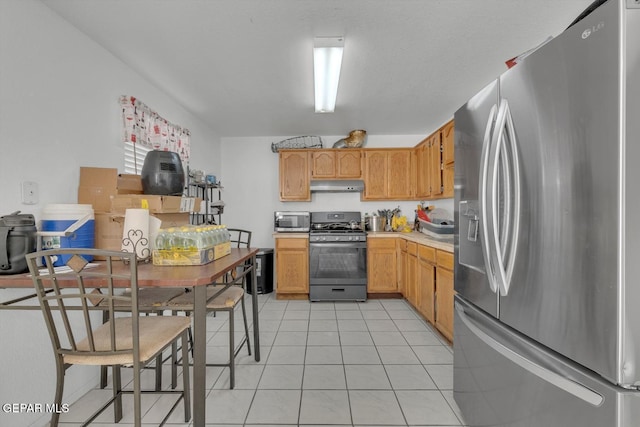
[[400, 167], [448, 159], [381, 265], [294, 175], [444, 293], [292, 266], [349, 164], [447, 143], [323, 164], [423, 171], [426, 282], [412, 279], [435, 165], [444, 302], [376, 175], [402, 267]]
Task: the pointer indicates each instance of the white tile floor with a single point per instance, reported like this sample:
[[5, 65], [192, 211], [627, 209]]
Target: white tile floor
[[323, 364]]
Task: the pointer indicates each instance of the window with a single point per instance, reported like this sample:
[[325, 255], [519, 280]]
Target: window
[[134, 155], [144, 130]]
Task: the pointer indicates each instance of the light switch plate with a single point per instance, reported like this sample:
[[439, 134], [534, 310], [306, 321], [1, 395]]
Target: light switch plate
[[29, 193]]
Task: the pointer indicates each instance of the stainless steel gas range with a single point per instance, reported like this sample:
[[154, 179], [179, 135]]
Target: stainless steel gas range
[[337, 257]]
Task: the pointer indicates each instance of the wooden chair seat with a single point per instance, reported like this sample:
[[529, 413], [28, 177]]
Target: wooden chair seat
[[156, 333]]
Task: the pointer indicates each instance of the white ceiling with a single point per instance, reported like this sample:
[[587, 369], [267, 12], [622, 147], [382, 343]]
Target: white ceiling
[[245, 66]]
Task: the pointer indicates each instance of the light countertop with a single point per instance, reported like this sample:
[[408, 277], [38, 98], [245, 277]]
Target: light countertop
[[414, 236]]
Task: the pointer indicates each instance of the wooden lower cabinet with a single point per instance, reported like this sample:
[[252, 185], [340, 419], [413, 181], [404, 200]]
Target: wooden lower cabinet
[[381, 265], [444, 294], [426, 282], [292, 265], [425, 279], [411, 274]]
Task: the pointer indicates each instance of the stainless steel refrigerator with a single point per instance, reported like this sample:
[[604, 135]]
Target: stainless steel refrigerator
[[547, 202]]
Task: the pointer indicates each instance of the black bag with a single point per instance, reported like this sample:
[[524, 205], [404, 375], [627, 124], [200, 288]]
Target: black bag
[[17, 238]]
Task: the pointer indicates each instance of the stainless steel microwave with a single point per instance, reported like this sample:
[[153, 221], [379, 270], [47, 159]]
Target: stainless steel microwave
[[290, 221]]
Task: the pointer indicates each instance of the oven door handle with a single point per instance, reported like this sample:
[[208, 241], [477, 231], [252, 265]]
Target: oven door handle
[[340, 244]]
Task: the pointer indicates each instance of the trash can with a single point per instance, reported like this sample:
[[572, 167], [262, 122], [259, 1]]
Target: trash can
[[264, 272]]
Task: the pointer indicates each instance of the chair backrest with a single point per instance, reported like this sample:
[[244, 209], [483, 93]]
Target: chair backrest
[[69, 302], [240, 238]]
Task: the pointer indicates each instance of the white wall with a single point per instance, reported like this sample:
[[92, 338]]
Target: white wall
[[249, 175], [59, 110]]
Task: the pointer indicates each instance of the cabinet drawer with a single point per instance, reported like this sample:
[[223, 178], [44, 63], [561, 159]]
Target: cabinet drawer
[[288, 243], [412, 248], [427, 253], [402, 245], [445, 259], [381, 243]]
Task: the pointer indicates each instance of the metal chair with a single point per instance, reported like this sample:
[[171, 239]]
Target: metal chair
[[80, 337], [225, 297], [220, 297], [240, 238]]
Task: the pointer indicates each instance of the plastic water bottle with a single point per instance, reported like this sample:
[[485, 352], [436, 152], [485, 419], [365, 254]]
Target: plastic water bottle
[[161, 242], [189, 238], [226, 235]]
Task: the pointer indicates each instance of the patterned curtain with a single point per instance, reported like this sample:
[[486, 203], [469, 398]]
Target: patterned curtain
[[142, 125]]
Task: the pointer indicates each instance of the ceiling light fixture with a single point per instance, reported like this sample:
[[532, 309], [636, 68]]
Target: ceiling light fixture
[[327, 60]]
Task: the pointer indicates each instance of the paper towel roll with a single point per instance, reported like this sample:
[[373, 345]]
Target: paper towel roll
[[136, 232], [154, 226]]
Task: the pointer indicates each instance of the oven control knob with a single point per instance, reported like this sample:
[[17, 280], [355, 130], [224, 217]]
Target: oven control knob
[[337, 238], [350, 238], [324, 238]]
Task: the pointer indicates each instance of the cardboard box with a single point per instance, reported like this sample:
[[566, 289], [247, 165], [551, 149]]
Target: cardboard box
[[156, 204], [191, 257], [109, 227], [98, 185], [173, 219], [129, 184]]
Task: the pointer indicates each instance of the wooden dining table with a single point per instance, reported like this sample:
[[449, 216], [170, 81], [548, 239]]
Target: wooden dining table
[[195, 277]]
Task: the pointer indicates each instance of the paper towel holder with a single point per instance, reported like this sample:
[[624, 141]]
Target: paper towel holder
[[131, 241]]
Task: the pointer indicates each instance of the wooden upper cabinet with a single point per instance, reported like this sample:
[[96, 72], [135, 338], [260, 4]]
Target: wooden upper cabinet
[[388, 174], [400, 185], [448, 155], [294, 175], [423, 175], [349, 164], [447, 144], [323, 164], [435, 164], [336, 164], [375, 174]]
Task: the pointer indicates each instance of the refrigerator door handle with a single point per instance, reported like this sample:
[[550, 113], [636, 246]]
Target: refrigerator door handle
[[578, 390], [505, 180], [485, 219], [513, 162]]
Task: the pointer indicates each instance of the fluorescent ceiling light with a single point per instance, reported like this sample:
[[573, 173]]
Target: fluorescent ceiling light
[[327, 60]]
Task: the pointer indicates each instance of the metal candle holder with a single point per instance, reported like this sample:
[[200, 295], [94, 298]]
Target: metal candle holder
[[132, 241]]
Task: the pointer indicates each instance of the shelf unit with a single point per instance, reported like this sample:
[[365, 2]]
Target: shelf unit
[[211, 195]]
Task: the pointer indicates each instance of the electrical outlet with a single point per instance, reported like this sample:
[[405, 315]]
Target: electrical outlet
[[29, 193]]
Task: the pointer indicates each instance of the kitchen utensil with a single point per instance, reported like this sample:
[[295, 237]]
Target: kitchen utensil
[[377, 223]]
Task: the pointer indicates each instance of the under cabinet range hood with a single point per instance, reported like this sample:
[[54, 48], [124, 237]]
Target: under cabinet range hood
[[337, 186]]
